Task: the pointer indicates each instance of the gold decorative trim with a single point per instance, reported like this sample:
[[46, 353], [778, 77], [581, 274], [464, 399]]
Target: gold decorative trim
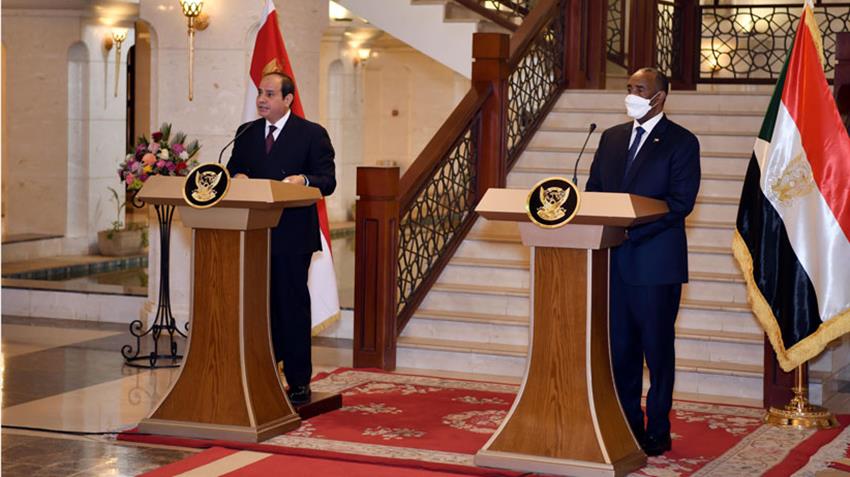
[[325, 324], [815, 32], [811, 345]]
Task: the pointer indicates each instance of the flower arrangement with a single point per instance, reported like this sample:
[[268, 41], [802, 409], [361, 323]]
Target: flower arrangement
[[162, 155]]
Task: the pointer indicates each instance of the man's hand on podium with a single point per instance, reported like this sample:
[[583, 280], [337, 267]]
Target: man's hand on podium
[[299, 179]]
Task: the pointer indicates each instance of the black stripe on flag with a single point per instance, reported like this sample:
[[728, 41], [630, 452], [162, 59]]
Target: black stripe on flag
[[777, 272]]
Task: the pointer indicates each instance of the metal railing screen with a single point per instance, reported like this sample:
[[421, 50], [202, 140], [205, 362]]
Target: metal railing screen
[[433, 217], [616, 32], [534, 82], [746, 43]]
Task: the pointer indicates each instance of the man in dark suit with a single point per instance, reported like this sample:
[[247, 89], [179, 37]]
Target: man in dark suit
[[653, 157], [283, 146]]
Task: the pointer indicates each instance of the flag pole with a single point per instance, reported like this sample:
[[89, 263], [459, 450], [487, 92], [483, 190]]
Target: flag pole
[[799, 413]]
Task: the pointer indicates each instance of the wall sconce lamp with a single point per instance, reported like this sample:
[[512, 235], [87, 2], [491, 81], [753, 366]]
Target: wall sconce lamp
[[363, 55], [118, 37], [197, 21]]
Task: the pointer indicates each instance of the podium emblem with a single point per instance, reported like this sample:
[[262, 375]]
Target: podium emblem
[[552, 202], [206, 185]]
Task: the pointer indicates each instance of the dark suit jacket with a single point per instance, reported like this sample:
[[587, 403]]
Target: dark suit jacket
[[667, 168], [302, 147]]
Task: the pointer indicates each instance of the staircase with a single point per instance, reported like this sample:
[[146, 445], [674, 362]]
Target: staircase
[[475, 319], [440, 29]]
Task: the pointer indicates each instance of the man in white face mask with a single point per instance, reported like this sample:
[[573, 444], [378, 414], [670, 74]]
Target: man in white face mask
[[653, 157]]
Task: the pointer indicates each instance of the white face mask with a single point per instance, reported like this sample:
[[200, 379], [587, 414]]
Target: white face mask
[[637, 107]]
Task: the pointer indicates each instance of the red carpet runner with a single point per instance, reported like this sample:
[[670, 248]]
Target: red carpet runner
[[433, 425]]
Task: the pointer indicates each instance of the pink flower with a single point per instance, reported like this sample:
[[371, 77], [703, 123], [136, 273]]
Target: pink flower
[[171, 166], [177, 149], [148, 159], [129, 179], [143, 177], [160, 164], [153, 147]]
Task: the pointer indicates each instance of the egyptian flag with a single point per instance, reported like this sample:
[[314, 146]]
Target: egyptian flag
[[270, 55], [792, 237]]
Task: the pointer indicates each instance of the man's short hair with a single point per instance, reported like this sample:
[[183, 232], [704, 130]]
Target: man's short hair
[[662, 83], [287, 85]]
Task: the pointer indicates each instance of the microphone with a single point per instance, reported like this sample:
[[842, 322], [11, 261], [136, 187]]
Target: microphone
[[238, 133], [575, 167]]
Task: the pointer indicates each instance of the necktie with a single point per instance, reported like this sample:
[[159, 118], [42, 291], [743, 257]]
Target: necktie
[[630, 159], [270, 139]]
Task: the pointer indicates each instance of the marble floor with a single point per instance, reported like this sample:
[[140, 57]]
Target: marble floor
[[68, 377]]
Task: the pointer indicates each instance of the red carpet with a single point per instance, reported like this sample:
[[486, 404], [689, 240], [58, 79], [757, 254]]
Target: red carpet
[[436, 425]]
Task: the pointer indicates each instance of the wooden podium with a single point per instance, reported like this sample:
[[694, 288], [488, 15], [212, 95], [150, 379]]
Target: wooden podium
[[228, 386], [566, 418]]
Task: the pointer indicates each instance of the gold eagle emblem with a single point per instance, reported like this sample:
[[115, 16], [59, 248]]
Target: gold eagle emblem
[[205, 183], [552, 200]]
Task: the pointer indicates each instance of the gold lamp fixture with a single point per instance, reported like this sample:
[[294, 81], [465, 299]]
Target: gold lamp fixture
[[118, 37], [197, 21]]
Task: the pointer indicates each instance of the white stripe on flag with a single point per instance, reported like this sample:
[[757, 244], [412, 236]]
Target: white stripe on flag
[[324, 297], [814, 233], [249, 110], [226, 464]]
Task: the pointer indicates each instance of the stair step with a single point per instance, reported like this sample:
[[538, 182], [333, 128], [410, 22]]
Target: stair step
[[490, 262], [714, 305], [736, 133], [492, 318], [588, 150], [720, 336], [482, 289], [463, 346], [604, 108], [523, 321], [519, 351], [717, 277], [567, 171]]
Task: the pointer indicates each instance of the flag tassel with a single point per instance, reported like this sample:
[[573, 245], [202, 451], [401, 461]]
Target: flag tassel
[[799, 413]]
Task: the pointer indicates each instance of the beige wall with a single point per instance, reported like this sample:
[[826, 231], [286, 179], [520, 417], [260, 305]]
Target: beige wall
[[36, 120], [407, 98]]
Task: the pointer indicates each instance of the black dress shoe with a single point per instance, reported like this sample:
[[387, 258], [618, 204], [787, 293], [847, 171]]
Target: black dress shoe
[[299, 394], [657, 445]]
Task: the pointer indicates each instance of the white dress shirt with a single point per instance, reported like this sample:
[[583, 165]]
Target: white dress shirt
[[647, 128]]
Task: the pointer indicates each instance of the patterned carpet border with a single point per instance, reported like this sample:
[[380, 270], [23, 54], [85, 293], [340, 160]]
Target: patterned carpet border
[[758, 449]]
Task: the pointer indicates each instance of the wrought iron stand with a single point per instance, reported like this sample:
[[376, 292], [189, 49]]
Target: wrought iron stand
[[164, 321]]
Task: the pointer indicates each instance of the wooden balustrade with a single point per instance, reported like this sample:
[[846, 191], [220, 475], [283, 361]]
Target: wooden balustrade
[[375, 265]]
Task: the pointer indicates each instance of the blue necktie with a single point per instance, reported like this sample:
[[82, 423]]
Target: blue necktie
[[630, 159]]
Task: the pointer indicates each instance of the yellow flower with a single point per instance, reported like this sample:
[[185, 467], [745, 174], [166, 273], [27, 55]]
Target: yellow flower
[[148, 169]]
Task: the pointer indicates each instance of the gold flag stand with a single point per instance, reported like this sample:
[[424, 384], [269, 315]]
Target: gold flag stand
[[799, 413]]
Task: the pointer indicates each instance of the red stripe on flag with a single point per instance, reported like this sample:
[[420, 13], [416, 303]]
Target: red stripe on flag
[[268, 47], [809, 101]]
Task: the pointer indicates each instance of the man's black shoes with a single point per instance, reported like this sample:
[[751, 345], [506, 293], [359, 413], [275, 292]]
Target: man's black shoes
[[656, 445], [299, 394]]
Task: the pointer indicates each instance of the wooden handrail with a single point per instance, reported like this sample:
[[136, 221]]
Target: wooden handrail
[[439, 145], [489, 14], [522, 39]]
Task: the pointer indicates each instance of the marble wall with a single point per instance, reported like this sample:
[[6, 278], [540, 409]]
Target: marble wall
[[36, 119], [64, 125]]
